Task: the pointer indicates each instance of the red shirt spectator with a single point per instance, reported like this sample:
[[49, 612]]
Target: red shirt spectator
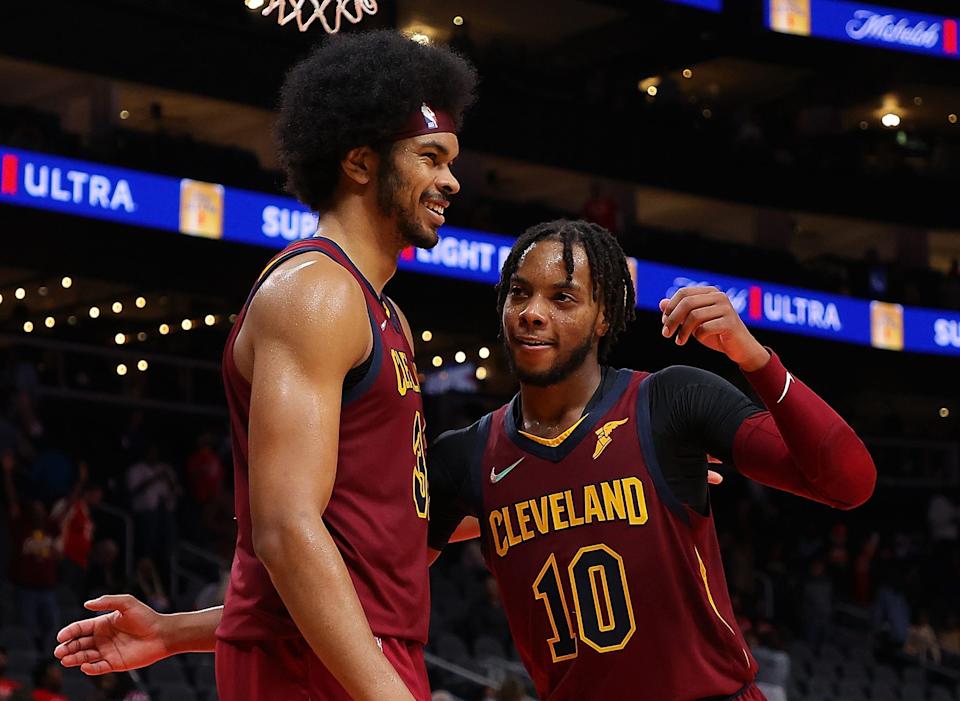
[[35, 554], [204, 472]]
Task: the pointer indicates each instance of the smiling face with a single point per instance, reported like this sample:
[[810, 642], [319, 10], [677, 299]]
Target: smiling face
[[551, 325], [416, 184]]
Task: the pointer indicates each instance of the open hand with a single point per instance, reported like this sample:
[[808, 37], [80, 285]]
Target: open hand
[[129, 637]]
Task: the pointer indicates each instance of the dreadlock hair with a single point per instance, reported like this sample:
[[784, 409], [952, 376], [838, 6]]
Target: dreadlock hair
[[612, 283]]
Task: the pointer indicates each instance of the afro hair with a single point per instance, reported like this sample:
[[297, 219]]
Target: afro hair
[[357, 90]]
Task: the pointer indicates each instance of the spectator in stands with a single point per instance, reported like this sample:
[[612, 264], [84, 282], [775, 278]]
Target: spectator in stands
[[511, 690], [891, 612], [922, 640], [34, 557], [147, 586], [204, 471], [949, 638], [862, 568], [103, 576], [602, 208], [154, 490], [48, 681], [76, 526], [817, 603], [7, 686], [116, 687], [942, 515]]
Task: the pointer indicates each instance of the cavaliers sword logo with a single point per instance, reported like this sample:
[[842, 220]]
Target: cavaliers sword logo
[[603, 435]]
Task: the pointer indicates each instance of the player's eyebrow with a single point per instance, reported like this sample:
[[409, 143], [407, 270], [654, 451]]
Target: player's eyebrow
[[435, 145], [561, 285]]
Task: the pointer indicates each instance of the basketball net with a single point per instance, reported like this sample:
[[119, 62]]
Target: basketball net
[[330, 13]]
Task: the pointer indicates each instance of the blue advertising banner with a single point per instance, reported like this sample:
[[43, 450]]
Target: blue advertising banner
[[860, 23], [212, 210], [710, 5]]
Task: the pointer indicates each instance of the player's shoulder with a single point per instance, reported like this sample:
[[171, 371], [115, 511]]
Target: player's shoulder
[[461, 442], [308, 289], [678, 376]]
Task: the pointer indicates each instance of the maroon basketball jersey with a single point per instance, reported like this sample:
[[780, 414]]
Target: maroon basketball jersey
[[613, 588], [377, 513]]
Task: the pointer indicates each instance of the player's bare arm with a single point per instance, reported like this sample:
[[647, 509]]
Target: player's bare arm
[[800, 445], [306, 328], [132, 635]]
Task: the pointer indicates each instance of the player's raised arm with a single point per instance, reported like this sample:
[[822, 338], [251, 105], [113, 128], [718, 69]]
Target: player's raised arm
[[800, 444], [308, 327]]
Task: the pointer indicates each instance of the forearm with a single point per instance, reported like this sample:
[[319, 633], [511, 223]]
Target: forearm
[[802, 445], [194, 631], [302, 560]]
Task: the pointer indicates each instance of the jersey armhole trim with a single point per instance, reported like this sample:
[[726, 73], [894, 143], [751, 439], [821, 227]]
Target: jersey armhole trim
[[376, 355], [645, 436]]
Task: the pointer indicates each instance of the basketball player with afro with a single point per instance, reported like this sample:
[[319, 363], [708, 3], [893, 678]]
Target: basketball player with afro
[[329, 590], [590, 485]]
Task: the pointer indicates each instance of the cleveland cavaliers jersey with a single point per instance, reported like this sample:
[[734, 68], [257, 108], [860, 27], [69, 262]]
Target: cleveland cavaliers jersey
[[613, 588], [377, 512]]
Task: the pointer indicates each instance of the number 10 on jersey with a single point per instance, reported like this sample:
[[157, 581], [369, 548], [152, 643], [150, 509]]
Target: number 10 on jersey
[[601, 598]]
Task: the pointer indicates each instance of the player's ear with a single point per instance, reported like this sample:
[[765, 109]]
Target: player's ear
[[602, 325], [359, 164]]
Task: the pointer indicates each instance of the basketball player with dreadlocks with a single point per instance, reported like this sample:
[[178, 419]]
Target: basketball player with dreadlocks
[[590, 485]]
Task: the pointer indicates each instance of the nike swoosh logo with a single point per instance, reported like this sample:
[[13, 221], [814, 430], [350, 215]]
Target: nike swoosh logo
[[496, 477], [786, 386]]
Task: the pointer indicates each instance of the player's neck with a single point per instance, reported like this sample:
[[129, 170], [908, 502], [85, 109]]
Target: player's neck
[[549, 411], [371, 246]]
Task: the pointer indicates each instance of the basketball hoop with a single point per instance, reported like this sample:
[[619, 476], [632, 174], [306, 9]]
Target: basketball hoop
[[306, 12]]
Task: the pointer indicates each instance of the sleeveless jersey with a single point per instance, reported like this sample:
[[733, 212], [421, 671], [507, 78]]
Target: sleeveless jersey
[[613, 588], [377, 512]]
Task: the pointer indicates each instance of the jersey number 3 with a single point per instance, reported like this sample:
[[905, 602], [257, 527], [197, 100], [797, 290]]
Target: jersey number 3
[[421, 496], [601, 602]]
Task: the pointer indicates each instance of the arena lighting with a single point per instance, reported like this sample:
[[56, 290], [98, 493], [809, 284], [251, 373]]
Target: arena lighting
[[687, 73], [121, 369], [66, 282], [460, 356], [20, 293], [481, 373], [484, 353], [142, 365], [891, 120], [124, 114], [120, 339], [1, 299], [253, 4], [94, 312], [141, 302], [72, 320], [427, 336], [652, 90], [437, 360], [164, 329], [647, 83], [142, 336], [186, 324], [918, 101], [707, 113], [864, 125], [420, 38], [458, 20], [209, 320], [952, 118], [43, 291], [117, 307], [233, 318], [28, 326], [944, 412], [49, 322]]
